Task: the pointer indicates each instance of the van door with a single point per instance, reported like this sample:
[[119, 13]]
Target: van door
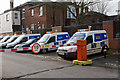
[[90, 44], [51, 40], [24, 40]]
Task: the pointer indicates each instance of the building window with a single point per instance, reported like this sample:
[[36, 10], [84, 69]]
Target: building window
[[23, 28], [69, 14], [27, 29], [32, 26], [32, 12], [16, 15], [7, 17], [41, 11], [23, 13], [43, 26], [39, 27]]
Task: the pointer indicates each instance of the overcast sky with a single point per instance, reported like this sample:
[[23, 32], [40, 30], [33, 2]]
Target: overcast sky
[[4, 5]]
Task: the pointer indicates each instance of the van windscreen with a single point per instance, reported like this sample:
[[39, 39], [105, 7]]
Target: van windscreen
[[5, 39], [44, 38], [74, 38], [19, 39]]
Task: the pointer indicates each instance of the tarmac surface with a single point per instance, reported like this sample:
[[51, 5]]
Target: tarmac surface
[[27, 65]]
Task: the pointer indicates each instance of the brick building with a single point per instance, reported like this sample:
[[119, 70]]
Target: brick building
[[40, 15], [113, 30]]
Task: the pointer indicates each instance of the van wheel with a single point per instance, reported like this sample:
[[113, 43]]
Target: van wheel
[[44, 51]]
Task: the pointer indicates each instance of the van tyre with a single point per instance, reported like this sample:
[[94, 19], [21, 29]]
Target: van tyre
[[44, 51]]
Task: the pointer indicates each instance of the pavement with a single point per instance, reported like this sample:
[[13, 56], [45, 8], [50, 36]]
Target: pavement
[[27, 65]]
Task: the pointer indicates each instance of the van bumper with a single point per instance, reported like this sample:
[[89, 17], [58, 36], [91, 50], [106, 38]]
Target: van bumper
[[68, 55]]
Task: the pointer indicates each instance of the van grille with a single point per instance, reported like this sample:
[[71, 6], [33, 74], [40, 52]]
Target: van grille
[[62, 50]]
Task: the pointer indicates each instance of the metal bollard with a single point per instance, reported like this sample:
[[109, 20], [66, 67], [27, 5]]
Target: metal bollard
[[105, 51]]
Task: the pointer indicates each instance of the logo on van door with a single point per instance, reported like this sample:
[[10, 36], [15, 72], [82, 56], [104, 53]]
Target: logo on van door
[[100, 37]]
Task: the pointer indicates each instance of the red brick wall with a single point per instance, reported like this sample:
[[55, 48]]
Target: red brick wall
[[46, 19], [58, 16], [113, 43], [34, 19], [57, 29]]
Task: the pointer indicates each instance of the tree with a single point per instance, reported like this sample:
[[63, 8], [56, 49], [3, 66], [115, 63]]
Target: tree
[[101, 6], [79, 6]]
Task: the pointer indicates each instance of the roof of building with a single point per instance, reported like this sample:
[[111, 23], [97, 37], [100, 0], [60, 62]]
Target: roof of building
[[94, 13]]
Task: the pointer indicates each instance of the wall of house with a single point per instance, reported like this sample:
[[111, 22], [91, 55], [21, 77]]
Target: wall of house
[[38, 21], [6, 26], [7, 20], [113, 42], [46, 20], [55, 16], [0, 24], [18, 20], [119, 8]]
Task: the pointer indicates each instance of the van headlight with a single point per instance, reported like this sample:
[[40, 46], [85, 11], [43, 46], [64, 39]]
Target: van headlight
[[17, 47], [70, 50], [10, 45], [3, 44]]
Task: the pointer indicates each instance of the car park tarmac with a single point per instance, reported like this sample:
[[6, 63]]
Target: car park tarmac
[[49, 65]]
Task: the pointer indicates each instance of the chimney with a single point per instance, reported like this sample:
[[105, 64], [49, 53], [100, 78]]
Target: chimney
[[86, 10], [11, 4]]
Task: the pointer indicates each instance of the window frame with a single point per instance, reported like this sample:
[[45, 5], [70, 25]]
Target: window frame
[[32, 12], [32, 25], [7, 17], [89, 41], [16, 15], [23, 13], [51, 40], [69, 14], [41, 11]]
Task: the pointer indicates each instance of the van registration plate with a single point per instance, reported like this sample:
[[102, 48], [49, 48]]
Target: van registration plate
[[61, 53]]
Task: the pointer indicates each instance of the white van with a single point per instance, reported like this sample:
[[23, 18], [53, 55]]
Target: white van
[[1, 37], [50, 41], [5, 39], [13, 38], [96, 40], [23, 38]]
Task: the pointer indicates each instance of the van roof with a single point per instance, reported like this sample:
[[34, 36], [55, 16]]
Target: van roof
[[32, 34], [94, 31], [29, 34], [58, 33]]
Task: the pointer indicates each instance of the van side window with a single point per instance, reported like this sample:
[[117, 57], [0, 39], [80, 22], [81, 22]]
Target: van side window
[[52, 39], [89, 39], [24, 39]]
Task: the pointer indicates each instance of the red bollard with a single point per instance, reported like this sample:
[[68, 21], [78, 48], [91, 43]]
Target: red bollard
[[82, 53], [81, 50]]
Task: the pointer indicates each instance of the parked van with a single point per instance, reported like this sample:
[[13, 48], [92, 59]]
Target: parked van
[[96, 40], [13, 38], [50, 41], [1, 37], [25, 44], [5, 39], [23, 38]]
